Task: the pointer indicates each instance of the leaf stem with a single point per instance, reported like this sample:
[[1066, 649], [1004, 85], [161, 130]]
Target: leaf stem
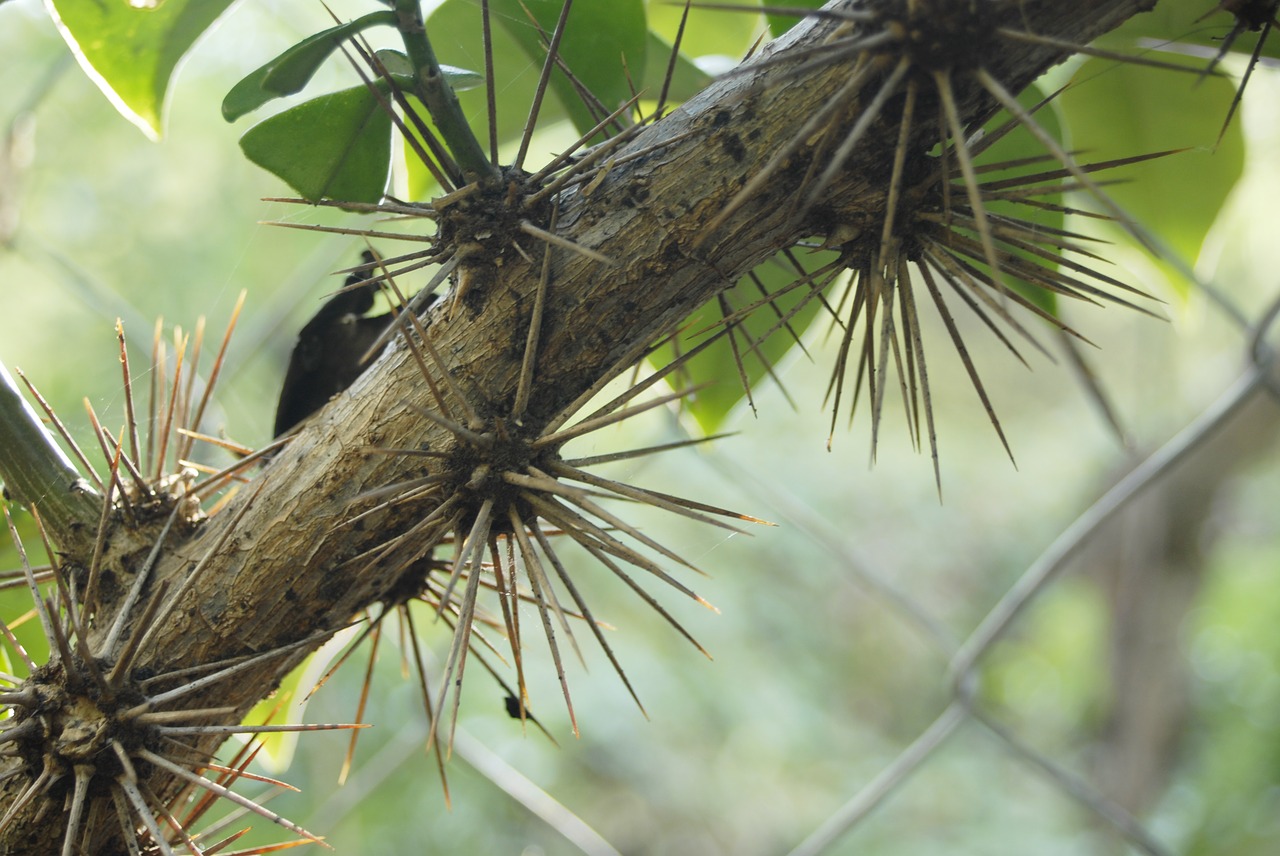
[[431, 86], [36, 472]]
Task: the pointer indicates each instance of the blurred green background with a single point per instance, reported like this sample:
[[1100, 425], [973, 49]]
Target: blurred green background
[[1153, 669]]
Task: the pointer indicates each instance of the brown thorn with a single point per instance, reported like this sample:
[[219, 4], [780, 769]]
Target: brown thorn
[[596, 422], [127, 824], [583, 531], [458, 646], [509, 601], [666, 502], [946, 97], [217, 480], [859, 130], [544, 80], [125, 658], [62, 430], [408, 309], [389, 205], [139, 480], [167, 423], [343, 230], [39, 786], [535, 584], [1100, 53], [731, 327], [198, 570], [222, 672], [649, 599], [155, 378], [406, 620], [163, 811], [131, 420], [1002, 95], [468, 554], [443, 163], [57, 642], [375, 634], [672, 60], [491, 101], [75, 816], [911, 322], [530, 357], [115, 487], [74, 614], [1244, 80], [128, 785], [187, 400], [567, 579], [958, 342], [214, 373], [551, 238], [819, 118], [565, 156], [540, 581]]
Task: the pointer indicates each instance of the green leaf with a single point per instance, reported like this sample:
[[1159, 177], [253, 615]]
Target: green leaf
[[718, 366], [1118, 110], [291, 70], [779, 24], [455, 28], [597, 38], [131, 53], [1173, 25], [605, 46], [686, 78], [708, 31], [336, 146]]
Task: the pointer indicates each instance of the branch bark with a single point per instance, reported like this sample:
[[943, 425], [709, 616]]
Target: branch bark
[[289, 570]]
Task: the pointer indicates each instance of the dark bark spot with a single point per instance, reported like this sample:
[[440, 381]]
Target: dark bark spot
[[733, 146]]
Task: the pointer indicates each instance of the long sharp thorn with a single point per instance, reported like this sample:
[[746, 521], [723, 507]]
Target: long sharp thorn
[[131, 646], [548, 630], [221, 674], [972, 371], [376, 637], [62, 430], [833, 105], [456, 662], [54, 639], [1002, 95], [595, 423], [131, 419], [420, 667], [490, 84], [167, 420], [544, 79], [868, 115], [214, 374], [567, 579], [135, 590], [672, 60], [127, 823], [529, 360], [947, 98], [83, 773]]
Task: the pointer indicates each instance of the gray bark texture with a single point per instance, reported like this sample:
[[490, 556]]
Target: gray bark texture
[[290, 569]]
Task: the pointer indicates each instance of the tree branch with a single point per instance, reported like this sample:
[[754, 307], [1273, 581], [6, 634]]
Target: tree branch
[[285, 561]]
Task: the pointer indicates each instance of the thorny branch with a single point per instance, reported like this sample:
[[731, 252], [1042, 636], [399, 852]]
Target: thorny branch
[[285, 563]]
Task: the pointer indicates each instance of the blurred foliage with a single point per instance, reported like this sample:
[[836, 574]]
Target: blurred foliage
[[818, 680]]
